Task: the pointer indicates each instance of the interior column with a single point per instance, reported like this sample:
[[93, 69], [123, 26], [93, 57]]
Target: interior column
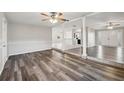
[[84, 38]]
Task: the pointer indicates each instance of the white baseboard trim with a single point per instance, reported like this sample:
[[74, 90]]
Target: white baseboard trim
[[29, 52], [16, 48]]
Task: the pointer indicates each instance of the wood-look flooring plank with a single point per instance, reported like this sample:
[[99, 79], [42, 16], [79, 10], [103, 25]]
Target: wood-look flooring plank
[[52, 65]]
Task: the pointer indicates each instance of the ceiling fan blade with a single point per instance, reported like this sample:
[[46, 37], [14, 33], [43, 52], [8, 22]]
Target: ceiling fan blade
[[60, 14], [53, 13], [118, 21], [44, 14], [113, 24], [63, 19], [116, 24], [45, 19]]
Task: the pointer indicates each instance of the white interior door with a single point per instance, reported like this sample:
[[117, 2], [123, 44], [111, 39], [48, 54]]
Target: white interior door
[[4, 40]]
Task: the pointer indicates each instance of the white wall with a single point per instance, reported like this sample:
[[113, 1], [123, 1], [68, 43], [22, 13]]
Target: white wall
[[28, 38], [57, 42]]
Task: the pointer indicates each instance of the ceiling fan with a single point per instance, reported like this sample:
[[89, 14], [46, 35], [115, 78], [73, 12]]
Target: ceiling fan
[[111, 25], [54, 17]]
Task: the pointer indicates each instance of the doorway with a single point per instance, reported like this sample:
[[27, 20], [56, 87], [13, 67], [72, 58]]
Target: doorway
[[72, 37]]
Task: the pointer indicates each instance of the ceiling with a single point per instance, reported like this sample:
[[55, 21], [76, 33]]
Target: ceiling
[[34, 18], [98, 21]]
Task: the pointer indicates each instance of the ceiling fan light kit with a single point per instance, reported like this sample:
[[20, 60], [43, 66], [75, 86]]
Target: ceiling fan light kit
[[110, 27], [53, 21]]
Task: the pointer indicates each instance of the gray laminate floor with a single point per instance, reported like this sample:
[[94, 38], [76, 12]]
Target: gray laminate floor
[[52, 65], [115, 54]]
